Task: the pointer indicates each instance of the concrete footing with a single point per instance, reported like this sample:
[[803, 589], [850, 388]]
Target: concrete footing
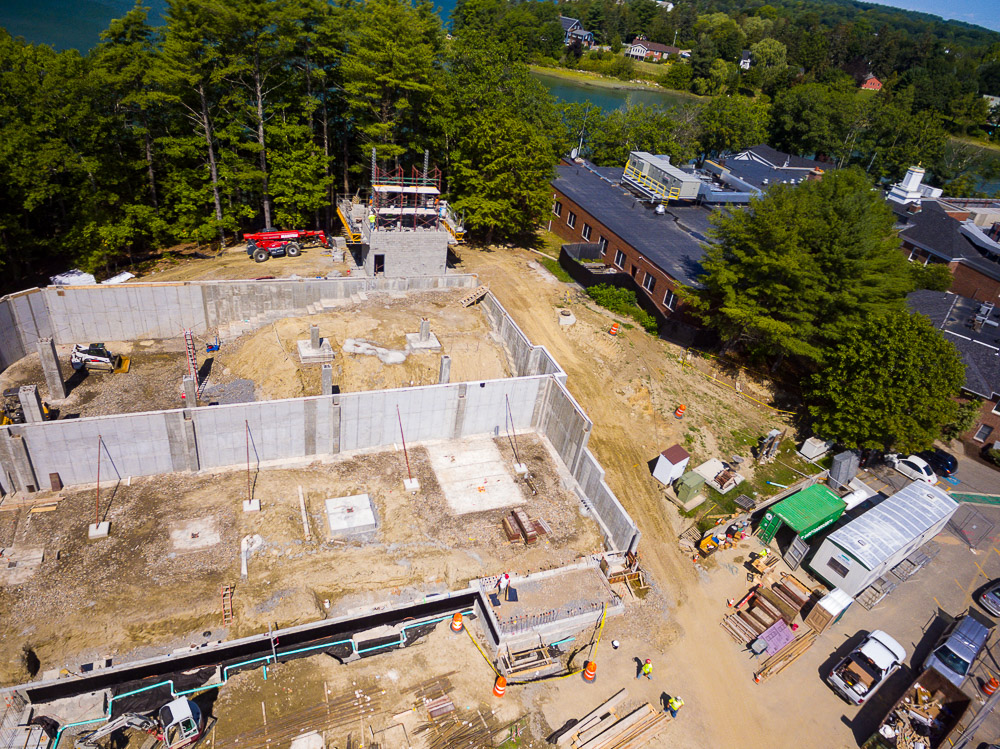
[[411, 485], [308, 354], [415, 343], [98, 530], [251, 505], [50, 366], [520, 469]]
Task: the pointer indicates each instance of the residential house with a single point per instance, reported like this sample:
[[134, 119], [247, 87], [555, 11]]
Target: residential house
[[750, 172], [573, 30], [659, 246], [641, 49], [960, 232], [745, 60], [974, 329], [871, 83]]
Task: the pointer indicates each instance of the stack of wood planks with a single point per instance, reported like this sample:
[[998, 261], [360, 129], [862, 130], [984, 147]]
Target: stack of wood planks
[[517, 526], [792, 591], [603, 728], [783, 600], [785, 657]]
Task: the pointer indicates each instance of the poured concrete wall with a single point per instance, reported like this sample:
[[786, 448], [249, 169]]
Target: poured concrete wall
[[81, 314], [525, 358]]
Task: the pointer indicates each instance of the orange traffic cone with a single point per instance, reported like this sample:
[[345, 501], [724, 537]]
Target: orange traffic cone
[[500, 686], [679, 413], [590, 672], [990, 687], [614, 329], [456, 622]]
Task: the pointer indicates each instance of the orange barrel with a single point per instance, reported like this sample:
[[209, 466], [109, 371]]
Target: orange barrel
[[456, 622], [614, 329], [679, 413], [500, 686], [990, 686], [590, 671]]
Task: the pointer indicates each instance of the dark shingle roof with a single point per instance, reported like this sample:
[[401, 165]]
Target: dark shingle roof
[[980, 349], [568, 23], [934, 230], [778, 159], [657, 238]]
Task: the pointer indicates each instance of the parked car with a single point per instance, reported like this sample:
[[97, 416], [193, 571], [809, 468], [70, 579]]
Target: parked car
[[916, 468], [867, 667], [959, 647], [943, 463], [989, 599]]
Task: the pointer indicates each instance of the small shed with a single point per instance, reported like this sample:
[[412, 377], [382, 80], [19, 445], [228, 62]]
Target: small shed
[[855, 555], [805, 512], [670, 464]]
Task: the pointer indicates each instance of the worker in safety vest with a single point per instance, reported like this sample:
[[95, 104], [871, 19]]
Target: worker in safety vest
[[646, 670], [371, 220], [674, 704]]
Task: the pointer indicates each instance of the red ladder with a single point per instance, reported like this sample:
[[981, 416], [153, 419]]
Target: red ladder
[[193, 362]]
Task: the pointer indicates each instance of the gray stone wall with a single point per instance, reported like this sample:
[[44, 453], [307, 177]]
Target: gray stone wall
[[409, 253]]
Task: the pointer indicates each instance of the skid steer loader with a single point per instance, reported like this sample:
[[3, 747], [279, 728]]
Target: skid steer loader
[[97, 358]]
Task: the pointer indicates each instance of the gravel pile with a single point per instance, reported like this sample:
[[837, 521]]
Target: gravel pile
[[236, 391]]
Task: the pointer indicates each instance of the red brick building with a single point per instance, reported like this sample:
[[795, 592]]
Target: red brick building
[[660, 248]]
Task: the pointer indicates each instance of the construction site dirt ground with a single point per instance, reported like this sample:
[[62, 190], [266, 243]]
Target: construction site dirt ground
[[175, 542], [267, 359], [629, 386], [186, 263]]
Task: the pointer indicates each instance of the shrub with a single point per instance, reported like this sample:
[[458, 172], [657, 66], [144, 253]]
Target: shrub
[[622, 302], [993, 456]]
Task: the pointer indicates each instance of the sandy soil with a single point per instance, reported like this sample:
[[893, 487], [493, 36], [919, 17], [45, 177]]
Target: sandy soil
[[153, 582], [185, 265], [629, 386]]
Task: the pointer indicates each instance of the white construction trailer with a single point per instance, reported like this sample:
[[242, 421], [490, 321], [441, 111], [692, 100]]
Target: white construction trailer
[[858, 553]]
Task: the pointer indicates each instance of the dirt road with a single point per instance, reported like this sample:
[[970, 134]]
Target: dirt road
[[629, 387]]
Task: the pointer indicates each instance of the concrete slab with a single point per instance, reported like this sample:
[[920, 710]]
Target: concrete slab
[[310, 355], [18, 564], [473, 475], [348, 516], [413, 342], [310, 740], [98, 530], [192, 535]]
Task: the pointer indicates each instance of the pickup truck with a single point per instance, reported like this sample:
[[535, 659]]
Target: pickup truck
[[927, 713], [867, 667]]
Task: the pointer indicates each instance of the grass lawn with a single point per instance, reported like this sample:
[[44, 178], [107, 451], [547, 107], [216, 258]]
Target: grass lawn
[[594, 79]]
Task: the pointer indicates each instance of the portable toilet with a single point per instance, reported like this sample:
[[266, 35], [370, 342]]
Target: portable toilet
[[689, 486], [670, 464]]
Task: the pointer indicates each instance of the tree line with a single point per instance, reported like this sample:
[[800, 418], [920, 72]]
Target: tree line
[[241, 114]]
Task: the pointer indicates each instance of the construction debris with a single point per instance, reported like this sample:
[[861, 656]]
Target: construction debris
[[604, 728]]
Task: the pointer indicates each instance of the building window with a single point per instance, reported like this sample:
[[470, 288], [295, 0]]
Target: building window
[[586, 231], [669, 300], [984, 431], [557, 208], [837, 567], [649, 283], [571, 219], [996, 407], [635, 271], [620, 259], [604, 245]]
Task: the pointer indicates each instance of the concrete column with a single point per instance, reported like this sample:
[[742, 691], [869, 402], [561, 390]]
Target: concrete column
[[31, 404], [335, 425], [50, 366], [190, 391], [314, 336], [425, 329], [16, 462], [327, 375], [444, 374], [456, 431]]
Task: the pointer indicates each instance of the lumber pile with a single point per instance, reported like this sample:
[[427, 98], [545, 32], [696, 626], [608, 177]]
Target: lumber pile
[[474, 296], [785, 657], [604, 728], [761, 612]]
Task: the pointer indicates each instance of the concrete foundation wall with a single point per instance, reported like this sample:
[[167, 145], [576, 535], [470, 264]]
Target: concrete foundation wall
[[525, 358], [82, 314]]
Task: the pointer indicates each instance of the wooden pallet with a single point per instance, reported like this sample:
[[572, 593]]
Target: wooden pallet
[[227, 604], [475, 296]]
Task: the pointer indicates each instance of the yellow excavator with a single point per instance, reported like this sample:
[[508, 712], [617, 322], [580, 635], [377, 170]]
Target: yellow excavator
[[11, 411]]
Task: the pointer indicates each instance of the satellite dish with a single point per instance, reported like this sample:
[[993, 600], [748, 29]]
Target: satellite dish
[[574, 153]]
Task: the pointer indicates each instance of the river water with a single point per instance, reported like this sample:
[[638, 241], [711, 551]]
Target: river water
[[608, 98]]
